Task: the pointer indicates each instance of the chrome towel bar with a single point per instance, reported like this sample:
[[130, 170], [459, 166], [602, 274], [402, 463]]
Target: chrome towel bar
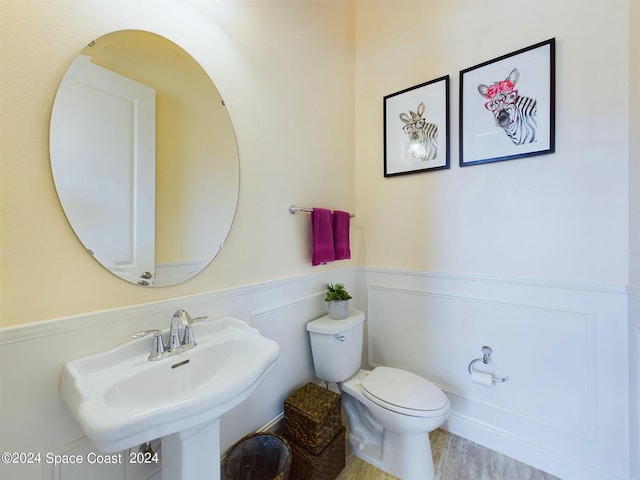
[[293, 210]]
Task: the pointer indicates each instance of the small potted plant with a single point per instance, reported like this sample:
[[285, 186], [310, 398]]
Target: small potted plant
[[338, 299]]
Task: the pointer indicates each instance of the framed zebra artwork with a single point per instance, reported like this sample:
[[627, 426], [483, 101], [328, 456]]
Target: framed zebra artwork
[[416, 128], [507, 106]]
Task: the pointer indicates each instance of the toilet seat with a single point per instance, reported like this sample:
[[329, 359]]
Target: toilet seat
[[403, 392]]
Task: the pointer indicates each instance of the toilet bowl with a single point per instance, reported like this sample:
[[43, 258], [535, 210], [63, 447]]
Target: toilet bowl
[[390, 411]]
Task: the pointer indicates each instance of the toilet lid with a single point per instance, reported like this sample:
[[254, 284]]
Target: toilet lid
[[403, 392]]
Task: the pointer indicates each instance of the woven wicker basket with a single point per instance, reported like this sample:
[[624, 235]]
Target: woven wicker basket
[[326, 466], [312, 417]]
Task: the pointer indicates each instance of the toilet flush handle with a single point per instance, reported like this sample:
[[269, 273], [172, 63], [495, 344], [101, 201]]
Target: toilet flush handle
[[340, 337]]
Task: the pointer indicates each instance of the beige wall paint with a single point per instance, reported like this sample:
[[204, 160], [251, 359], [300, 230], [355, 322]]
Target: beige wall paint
[[561, 217], [285, 70], [634, 143]]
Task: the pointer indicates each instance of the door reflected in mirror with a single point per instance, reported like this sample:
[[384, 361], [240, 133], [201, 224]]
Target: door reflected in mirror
[[144, 158]]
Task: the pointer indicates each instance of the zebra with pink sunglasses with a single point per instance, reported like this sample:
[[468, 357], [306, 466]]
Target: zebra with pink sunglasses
[[514, 113]]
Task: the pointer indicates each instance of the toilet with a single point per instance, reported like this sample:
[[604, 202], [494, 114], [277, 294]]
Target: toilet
[[390, 411]]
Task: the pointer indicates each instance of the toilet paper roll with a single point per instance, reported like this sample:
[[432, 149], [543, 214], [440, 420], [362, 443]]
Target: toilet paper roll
[[482, 378]]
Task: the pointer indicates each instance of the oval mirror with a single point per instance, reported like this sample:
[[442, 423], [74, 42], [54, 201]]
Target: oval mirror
[[144, 158]]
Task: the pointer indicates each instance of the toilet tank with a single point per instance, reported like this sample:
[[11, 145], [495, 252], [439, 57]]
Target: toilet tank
[[336, 346]]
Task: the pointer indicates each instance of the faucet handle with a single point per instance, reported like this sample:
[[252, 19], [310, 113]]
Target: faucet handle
[[157, 349], [190, 321], [187, 338], [144, 333]]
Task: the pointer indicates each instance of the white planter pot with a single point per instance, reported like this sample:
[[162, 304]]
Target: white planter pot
[[338, 309]]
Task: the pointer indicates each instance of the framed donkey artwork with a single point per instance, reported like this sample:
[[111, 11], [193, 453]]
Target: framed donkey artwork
[[416, 128], [507, 106]]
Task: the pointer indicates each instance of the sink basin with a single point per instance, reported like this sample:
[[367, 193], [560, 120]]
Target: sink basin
[[121, 399]]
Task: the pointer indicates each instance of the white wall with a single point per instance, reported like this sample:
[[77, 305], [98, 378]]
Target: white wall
[[634, 232], [285, 70], [634, 142], [634, 381], [554, 217], [35, 419], [530, 256], [562, 347], [527, 244], [563, 408]]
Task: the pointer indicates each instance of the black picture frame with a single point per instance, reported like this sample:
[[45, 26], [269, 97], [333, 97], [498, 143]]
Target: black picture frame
[[416, 128], [507, 106]]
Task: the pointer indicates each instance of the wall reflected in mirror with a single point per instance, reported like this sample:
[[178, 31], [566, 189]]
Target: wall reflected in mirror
[[144, 158]]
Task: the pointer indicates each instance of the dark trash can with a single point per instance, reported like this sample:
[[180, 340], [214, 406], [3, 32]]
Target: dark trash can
[[259, 456]]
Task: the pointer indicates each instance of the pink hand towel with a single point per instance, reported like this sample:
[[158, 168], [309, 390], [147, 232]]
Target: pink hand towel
[[322, 236], [341, 221]]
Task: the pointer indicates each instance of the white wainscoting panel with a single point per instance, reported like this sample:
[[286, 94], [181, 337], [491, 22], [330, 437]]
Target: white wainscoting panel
[[634, 379], [63, 463], [34, 418], [450, 333], [285, 324], [564, 407]]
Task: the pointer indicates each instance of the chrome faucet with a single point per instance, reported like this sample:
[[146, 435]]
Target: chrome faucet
[[174, 331], [176, 344]]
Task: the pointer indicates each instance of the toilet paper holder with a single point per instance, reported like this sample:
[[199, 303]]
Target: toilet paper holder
[[486, 358]]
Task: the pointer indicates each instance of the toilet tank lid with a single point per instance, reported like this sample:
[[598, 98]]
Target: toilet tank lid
[[329, 326]]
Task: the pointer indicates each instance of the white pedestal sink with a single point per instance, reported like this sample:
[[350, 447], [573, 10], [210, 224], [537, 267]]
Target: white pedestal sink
[[122, 400]]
